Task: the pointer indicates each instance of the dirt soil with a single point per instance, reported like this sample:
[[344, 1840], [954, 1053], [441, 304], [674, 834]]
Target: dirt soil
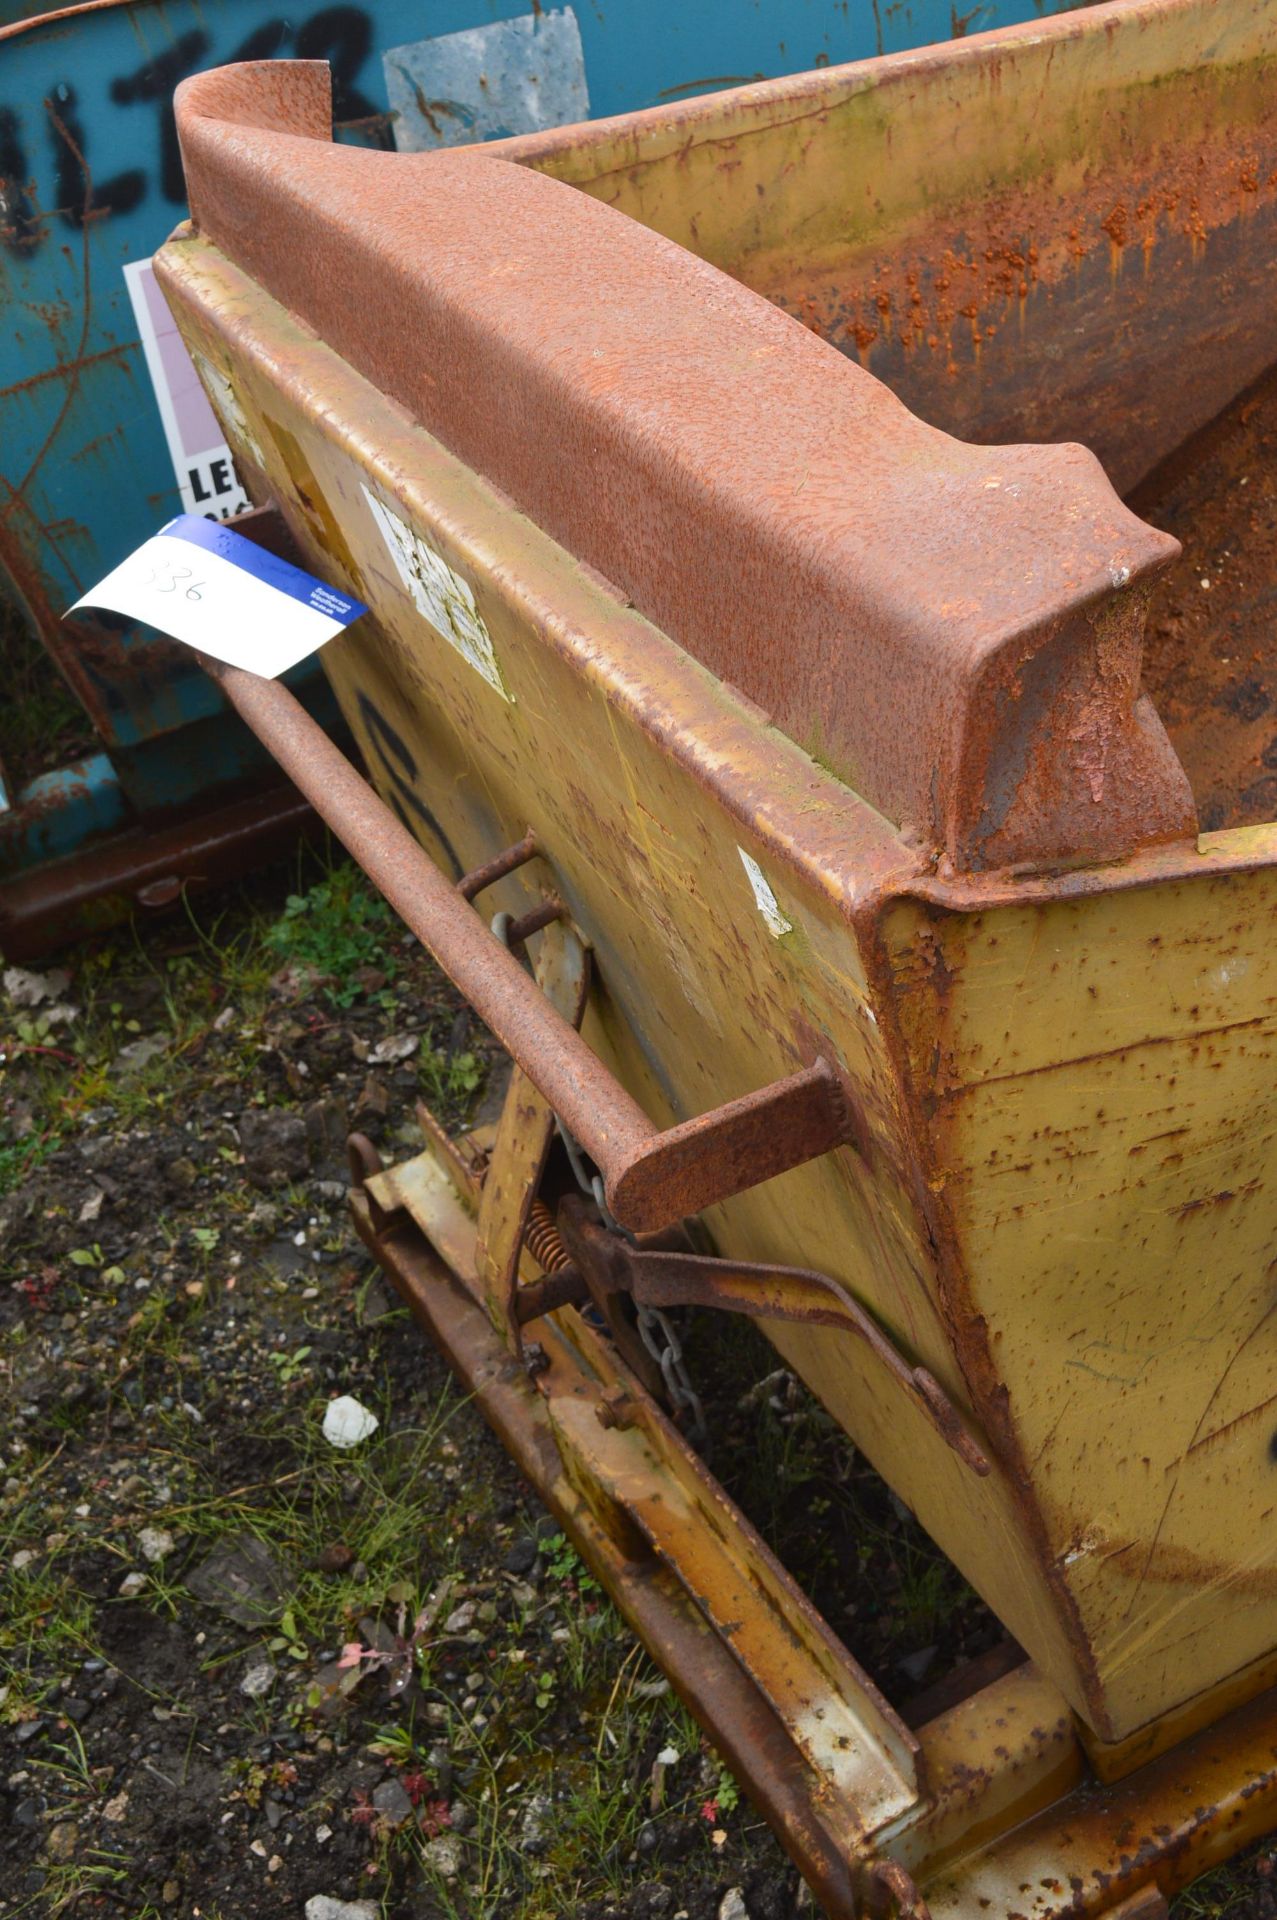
[[42, 725], [1210, 661], [239, 1667], [246, 1674]]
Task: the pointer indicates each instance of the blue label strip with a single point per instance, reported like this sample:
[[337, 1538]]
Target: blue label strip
[[266, 567]]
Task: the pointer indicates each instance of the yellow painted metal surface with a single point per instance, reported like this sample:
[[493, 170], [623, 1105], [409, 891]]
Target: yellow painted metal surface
[[1059, 1199], [1095, 1084]]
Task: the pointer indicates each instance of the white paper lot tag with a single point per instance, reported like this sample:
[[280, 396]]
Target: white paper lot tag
[[209, 586]]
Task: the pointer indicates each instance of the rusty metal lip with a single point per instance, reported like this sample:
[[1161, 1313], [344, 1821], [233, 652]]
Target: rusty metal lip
[[1213, 856], [57, 16], [766, 781], [808, 820], [1017, 554]]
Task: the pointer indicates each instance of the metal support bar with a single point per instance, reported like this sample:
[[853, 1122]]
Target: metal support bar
[[652, 1177], [665, 1277], [534, 921], [472, 884]]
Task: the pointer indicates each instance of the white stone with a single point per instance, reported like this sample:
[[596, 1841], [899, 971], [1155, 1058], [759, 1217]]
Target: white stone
[[33, 989], [322, 1906], [259, 1679], [346, 1422], [140, 1053], [23, 1558], [443, 1853], [732, 1905], [395, 1047], [155, 1542], [131, 1585]]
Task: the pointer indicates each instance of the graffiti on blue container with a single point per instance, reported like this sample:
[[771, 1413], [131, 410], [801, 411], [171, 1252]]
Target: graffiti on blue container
[[343, 36]]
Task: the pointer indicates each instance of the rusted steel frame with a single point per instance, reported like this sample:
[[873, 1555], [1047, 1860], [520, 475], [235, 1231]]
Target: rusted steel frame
[[837, 1720], [472, 884], [56, 15], [704, 1673], [1097, 1847], [532, 922], [851, 1740], [1093, 1851], [49, 906], [438, 1196], [663, 1277], [652, 1177]]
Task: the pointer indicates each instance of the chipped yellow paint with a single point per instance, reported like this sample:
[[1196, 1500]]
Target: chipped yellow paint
[[816, 170]]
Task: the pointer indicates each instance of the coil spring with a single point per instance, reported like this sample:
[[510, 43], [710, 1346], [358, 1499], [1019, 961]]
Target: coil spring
[[542, 1240]]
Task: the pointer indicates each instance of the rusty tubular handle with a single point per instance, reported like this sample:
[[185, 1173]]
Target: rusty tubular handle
[[652, 1178]]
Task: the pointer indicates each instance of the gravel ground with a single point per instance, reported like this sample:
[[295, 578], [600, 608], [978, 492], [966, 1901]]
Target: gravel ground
[[247, 1673]]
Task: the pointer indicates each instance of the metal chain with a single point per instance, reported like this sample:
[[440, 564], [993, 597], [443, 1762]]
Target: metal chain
[[655, 1330], [665, 1347]]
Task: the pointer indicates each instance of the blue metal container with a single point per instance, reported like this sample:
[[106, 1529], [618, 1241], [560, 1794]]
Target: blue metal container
[[104, 431]]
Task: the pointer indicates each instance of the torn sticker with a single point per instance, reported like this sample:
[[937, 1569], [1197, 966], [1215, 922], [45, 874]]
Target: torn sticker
[[226, 406], [485, 83], [764, 899], [440, 595]]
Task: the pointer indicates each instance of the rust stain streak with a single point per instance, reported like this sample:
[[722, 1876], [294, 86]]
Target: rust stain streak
[[17, 495], [65, 369], [1215, 1392]]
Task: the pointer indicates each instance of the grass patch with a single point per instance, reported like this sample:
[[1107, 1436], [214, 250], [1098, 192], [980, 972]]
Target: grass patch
[[20, 1158], [336, 927]]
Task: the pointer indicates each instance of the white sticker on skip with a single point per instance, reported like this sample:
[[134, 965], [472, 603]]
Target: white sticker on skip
[[764, 899], [205, 584], [439, 595], [202, 461]]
